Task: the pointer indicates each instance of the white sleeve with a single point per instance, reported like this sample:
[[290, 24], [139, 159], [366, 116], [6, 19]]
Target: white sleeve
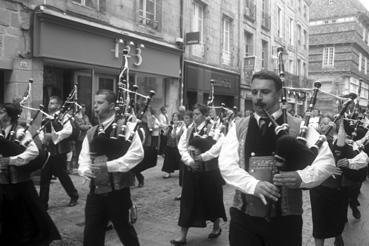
[[182, 148], [359, 161], [130, 159], [323, 165], [29, 154], [214, 151], [64, 133], [84, 159], [229, 167]]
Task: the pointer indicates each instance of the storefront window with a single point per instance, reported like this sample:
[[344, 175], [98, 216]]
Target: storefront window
[[106, 83]]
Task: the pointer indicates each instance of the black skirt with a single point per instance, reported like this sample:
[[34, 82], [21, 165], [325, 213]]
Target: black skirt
[[329, 211], [24, 221], [172, 159], [202, 198]]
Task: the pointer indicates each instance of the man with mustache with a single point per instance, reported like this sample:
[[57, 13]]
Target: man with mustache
[[252, 141]]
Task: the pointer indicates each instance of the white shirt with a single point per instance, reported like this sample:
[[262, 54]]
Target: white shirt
[[30, 153], [124, 163], [313, 175], [58, 136], [359, 161]]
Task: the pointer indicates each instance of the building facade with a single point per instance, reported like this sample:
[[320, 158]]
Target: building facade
[[267, 25], [339, 50], [215, 55], [60, 42]]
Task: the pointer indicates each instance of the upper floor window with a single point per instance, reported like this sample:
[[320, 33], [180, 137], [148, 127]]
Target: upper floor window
[[290, 31], [89, 3], [148, 14], [328, 57], [197, 25], [264, 54], [249, 44], [226, 51], [360, 60], [279, 22], [299, 34]]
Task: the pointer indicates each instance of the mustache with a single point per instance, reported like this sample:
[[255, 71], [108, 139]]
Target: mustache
[[260, 104]]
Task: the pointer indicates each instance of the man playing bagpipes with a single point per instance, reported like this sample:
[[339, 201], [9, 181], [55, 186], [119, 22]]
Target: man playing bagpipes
[[23, 221], [106, 160], [55, 140], [267, 208], [202, 191]]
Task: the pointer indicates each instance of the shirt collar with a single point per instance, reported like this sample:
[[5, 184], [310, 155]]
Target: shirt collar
[[275, 115], [106, 123]]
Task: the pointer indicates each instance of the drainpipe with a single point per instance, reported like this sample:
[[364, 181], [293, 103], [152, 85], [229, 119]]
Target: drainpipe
[[181, 33]]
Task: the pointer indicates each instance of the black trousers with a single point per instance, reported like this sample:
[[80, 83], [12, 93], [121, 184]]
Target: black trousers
[[353, 194], [56, 165], [255, 231], [113, 207]]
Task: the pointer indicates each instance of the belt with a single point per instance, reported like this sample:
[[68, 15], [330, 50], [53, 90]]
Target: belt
[[204, 167]]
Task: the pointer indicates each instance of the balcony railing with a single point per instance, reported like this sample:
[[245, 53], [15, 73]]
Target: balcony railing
[[265, 21], [250, 12]]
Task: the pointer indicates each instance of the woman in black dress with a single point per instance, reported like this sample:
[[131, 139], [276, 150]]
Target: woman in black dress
[[172, 157], [23, 220], [202, 191]]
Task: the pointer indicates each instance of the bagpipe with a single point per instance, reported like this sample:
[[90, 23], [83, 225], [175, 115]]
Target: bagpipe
[[201, 140], [116, 141], [14, 143]]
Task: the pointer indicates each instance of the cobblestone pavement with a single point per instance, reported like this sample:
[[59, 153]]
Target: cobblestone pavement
[[158, 215]]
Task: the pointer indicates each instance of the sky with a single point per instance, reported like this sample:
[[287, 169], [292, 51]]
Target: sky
[[365, 3]]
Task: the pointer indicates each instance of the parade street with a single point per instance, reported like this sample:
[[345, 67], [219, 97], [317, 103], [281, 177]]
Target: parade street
[[158, 215]]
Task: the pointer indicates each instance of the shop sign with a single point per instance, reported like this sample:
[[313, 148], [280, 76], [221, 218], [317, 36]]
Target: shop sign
[[192, 38], [222, 83], [132, 49]]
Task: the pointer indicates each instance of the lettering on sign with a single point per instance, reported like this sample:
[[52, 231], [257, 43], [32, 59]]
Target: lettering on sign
[[135, 51], [223, 83], [24, 64]]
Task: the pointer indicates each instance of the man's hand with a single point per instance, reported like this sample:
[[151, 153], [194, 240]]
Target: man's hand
[[197, 158], [287, 179], [265, 189], [88, 174], [4, 162], [343, 163]]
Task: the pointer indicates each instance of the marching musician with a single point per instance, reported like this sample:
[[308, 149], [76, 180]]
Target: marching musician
[[55, 140], [172, 157], [23, 221], [254, 139], [202, 191], [329, 221], [109, 197]]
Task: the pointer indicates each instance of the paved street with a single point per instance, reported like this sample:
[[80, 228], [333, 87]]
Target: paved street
[[158, 215]]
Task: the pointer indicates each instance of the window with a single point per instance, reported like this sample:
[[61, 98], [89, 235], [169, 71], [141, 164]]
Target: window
[[304, 71], [363, 63], [360, 57], [197, 25], [147, 13], [364, 34], [328, 57], [249, 44], [290, 32], [291, 67], [298, 34], [279, 22], [226, 51], [87, 3], [264, 54], [365, 66], [305, 39], [305, 12], [299, 67]]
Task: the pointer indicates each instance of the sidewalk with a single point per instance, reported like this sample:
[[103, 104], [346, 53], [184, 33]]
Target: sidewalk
[[158, 215]]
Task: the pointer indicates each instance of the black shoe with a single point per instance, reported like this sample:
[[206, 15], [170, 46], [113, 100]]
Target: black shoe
[[73, 202], [109, 227], [140, 184], [356, 213], [213, 235], [178, 243], [45, 206], [338, 242]]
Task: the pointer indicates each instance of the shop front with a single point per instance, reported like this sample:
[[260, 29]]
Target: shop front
[[197, 85], [73, 49]]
